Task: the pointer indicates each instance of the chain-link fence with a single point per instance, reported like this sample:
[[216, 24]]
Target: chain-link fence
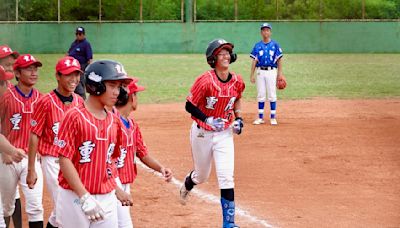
[[203, 10]]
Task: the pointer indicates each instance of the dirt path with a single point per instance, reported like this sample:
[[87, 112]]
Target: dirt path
[[329, 163]]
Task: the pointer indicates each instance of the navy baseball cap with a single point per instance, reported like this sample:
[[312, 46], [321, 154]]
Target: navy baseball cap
[[265, 25], [80, 30]]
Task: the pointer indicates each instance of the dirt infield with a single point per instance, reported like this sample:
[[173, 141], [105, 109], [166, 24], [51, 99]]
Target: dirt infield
[[329, 163]]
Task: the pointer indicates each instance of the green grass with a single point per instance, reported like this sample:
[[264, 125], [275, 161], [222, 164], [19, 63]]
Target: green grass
[[168, 77]]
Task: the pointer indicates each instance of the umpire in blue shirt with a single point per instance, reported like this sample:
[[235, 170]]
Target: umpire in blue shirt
[[82, 51]]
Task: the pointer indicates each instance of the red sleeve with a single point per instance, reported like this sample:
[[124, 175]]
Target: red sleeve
[[141, 148], [66, 136], [38, 119], [197, 91]]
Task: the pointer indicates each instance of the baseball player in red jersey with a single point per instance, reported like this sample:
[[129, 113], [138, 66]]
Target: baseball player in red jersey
[[16, 108], [87, 139], [7, 59], [45, 125], [132, 145], [214, 103]]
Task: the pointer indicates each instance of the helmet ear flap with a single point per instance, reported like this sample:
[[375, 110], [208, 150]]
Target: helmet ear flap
[[122, 97], [212, 60], [95, 88], [233, 57]]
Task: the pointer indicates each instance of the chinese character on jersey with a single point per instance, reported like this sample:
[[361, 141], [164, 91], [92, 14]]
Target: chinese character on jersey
[[85, 150], [110, 151], [15, 120], [211, 101], [121, 159]]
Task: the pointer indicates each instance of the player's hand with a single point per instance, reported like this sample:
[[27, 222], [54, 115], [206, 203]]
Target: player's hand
[[238, 125], [31, 178], [217, 124], [167, 174], [124, 197], [6, 159], [252, 79], [91, 207], [18, 155]]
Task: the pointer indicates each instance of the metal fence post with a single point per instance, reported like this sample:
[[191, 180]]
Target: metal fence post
[[16, 10], [363, 9], [58, 11], [236, 10], [141, 11]]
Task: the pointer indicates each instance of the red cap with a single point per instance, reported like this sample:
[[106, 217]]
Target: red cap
[[23, 61], [133, 87], [68, 65], [5, 75], [6, 51]]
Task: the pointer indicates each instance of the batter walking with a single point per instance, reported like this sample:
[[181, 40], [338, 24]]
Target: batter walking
[[267, 61], [214, 103]]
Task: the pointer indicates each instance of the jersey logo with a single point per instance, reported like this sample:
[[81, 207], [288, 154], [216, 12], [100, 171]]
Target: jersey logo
[[230, 104], [33, 123], [15, 120], [85, 150], [121, 159], [211, 101], [110, 151], [55, 127], [260, 53]]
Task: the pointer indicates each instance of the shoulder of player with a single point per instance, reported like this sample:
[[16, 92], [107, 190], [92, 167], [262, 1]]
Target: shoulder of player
[[238, 77]]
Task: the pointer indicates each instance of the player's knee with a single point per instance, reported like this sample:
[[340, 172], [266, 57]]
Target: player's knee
[[225, 181], [35, 212]]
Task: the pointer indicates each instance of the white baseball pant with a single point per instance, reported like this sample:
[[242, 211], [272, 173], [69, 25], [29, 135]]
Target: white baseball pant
[[10, 175], [208, 145], [51, 167], [70, 214], [124, 214], [266, 84], [2, 223]]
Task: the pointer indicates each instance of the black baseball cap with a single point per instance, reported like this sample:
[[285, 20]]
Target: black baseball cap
[[80, 30]]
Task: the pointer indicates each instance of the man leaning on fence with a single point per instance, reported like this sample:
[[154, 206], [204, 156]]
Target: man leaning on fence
[[82, 51]]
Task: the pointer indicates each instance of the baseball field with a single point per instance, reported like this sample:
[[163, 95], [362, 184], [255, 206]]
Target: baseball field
[[333, 160]]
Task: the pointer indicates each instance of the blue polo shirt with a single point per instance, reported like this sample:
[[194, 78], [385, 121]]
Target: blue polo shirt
[[81, 50], [266, 54]]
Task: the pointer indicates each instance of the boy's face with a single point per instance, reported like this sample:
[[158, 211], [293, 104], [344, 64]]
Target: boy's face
[[7, 63], [68, 82], [110, 97], [27, 76]]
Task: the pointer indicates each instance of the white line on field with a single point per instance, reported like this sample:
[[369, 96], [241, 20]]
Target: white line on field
[[210, 198]]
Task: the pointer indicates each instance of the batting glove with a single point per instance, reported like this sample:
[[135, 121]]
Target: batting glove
[[217, 124], [91, 207], [238, 125]]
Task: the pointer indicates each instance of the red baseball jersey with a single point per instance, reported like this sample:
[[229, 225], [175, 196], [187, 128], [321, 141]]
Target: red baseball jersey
[[9, 84], [46, 121], [89, 143], [15, 114], [216, 98], [132, 145]]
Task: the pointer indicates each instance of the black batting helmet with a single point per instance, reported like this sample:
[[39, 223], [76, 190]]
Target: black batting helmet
[[214, 47], [103, 70]]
